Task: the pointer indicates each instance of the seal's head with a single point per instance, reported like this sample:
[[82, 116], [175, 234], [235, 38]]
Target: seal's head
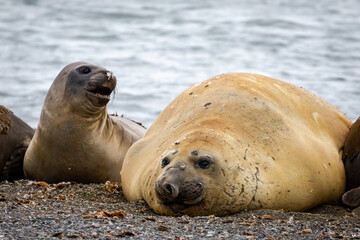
[[84, 84], [194, 177], [176, 188], [95, 82]]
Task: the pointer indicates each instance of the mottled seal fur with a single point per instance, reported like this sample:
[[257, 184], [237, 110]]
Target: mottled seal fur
[[76, 139], [239, 141]]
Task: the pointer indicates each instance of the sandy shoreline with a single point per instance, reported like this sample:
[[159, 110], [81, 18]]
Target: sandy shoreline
[[30, 210]]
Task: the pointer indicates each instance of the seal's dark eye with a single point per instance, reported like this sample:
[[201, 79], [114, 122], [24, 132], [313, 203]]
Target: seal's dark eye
[[165, 162], [204, 163], [84, 70]]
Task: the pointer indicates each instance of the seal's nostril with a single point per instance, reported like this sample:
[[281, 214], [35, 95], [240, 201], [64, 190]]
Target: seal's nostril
[[171, 189]]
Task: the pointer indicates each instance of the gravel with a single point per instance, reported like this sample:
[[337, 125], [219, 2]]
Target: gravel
[[37, 210]]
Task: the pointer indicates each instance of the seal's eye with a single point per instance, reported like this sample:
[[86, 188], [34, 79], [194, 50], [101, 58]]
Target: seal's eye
[[84, 70], [204, 163], [165, 162]]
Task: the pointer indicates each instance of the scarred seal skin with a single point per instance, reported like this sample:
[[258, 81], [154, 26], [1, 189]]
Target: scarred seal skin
[[15, 136], [76, 140], [239, 141]]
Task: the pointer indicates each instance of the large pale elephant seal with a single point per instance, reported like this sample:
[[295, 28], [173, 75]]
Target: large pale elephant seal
[[15, 136], [239, 141], [76, 139], [351, 158]]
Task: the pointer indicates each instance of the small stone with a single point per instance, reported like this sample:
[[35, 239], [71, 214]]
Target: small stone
[[61, 197], [291, 220], [163, 228], [210, 234]]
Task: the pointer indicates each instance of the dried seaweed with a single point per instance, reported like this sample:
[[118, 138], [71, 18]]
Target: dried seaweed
[[5, 121]]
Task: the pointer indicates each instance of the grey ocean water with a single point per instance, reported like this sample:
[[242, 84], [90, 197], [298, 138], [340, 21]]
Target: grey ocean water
[[157, 49]]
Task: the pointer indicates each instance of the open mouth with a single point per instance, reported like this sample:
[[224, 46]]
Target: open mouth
[[100, 92]]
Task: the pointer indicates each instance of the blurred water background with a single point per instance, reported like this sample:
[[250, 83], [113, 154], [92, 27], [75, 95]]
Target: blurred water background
[[157, 48]]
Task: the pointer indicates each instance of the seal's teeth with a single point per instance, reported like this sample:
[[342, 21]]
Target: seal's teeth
[[102, 96]]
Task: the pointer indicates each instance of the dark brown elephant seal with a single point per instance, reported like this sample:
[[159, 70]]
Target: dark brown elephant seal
[[351, 158], [15, 136], [76, 139], [239, 141]]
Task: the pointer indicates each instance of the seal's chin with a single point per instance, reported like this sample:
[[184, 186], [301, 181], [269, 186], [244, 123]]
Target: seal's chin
[[184, 202], [98, 95], [177, 207], [180, 208]]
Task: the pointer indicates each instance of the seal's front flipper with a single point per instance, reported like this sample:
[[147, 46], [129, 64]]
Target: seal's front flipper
[[13, 167], [356, 212], [352, 198]]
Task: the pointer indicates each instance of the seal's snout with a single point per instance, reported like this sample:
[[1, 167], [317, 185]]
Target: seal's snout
[[110, 76], [100, 87], [168, 186], [171, 188], [105, 79]]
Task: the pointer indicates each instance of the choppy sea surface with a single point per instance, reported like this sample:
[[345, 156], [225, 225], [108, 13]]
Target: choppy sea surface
[[157, 49]]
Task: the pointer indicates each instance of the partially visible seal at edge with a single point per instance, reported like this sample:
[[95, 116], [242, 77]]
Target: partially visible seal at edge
[[15, 137], [351, 159]]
